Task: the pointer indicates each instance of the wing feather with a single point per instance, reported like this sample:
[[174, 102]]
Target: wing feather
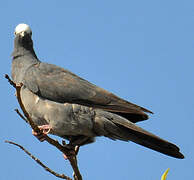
[[60, 85]]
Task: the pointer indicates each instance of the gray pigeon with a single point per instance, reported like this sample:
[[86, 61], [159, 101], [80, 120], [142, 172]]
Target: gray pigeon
[[73, 108]]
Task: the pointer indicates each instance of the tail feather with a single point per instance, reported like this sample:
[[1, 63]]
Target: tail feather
[[153, 142], [116, 127]]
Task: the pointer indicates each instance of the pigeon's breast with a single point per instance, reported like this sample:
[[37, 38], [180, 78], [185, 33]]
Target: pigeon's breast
[[64, 118], [19, 67]]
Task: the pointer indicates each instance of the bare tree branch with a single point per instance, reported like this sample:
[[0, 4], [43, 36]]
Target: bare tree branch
[[62, 176], [10, 81], [72, 158], [21, 115]]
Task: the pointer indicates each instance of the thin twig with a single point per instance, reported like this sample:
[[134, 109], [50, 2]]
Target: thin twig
[[20, 114], [10, 81], [63, 149], [62, 176]]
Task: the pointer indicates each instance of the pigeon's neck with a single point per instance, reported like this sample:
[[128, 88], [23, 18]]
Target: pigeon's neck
[[23, 57], [23, 47]]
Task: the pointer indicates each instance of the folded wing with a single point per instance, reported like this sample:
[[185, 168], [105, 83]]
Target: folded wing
[[60, 85]]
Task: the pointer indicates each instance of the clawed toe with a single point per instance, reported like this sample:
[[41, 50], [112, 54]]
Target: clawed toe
[[72, 150], [70, 153], [45, 129]]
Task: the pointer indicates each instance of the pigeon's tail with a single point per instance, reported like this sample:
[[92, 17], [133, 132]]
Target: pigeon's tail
[[116, 127]]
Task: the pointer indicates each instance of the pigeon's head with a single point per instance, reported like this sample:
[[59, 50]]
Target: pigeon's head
[[22, 30], [23, 40]]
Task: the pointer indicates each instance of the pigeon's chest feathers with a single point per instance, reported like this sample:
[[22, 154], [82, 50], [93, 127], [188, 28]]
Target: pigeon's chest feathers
[[19, 67]]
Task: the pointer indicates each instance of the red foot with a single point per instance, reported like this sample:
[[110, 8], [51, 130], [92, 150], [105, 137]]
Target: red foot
[[45, 130], [65, 157], [72, 152]]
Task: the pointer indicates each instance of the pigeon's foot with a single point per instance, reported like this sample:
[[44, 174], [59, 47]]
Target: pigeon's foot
[[45, 129], [73, 150], [70, 153]]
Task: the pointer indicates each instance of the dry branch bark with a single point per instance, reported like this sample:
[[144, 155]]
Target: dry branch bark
[[62, 176]]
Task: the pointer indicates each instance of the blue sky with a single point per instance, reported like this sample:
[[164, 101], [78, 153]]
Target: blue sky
[[140, 50]]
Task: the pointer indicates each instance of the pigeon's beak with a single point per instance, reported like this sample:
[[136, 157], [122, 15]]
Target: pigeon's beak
[[21, 34]]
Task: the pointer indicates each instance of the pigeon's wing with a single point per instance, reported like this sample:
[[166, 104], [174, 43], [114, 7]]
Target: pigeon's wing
[[60, 85]]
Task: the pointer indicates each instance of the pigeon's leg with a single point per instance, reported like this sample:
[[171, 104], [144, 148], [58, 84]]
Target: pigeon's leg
[[73, 150], [74, 143], [45, 129]]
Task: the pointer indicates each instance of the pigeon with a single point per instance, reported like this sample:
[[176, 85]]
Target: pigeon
[[66, 105]]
